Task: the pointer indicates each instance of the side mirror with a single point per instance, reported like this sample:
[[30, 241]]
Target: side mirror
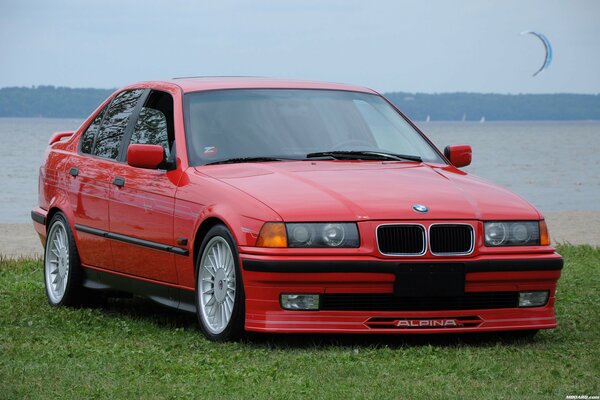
[[148, 156], [458, 154]]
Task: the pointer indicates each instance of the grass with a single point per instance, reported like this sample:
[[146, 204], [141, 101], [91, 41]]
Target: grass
[[132, 348]]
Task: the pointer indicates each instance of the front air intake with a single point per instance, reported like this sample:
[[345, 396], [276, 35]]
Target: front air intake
[[389, 302]]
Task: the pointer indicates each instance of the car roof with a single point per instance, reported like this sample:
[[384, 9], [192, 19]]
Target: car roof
[[193, 84]]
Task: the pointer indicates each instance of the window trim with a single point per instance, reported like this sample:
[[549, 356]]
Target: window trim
[[122, 157]]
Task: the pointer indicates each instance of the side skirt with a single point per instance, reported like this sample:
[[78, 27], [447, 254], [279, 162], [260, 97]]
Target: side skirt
[[173, 297]]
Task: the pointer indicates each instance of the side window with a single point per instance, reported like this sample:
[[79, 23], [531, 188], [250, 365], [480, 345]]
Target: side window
[[155, 122], [87, 139], [108, 140]]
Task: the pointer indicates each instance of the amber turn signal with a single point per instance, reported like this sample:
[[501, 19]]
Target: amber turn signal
[[272, 234], [544, 236]]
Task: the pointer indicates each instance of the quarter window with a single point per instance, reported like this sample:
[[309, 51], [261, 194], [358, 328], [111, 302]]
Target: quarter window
[[87, 139], [108, 140]]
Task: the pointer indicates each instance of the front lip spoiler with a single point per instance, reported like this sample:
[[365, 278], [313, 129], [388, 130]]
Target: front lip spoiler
[[391, 267], [39, 218]]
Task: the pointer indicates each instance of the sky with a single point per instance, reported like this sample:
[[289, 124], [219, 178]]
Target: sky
[[389, 45]]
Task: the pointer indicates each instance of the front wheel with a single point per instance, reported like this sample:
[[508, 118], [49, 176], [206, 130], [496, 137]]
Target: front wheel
[[219, 288]]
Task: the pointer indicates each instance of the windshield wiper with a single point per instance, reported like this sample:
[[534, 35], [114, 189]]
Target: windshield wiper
[[248, 159], [363, 155]]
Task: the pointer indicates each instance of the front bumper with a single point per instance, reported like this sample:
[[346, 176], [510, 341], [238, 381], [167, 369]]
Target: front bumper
[[266, 278], [39, 217]]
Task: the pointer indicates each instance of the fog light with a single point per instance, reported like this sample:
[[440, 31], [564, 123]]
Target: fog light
[[300, 301], [533, 299]]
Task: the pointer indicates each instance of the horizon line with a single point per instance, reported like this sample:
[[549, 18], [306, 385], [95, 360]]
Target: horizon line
[[382, 92]]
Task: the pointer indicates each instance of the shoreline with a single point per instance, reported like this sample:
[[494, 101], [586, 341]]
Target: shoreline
[[569, 227]]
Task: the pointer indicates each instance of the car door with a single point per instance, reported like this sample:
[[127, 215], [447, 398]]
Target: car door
[[142, 200], [90, 174]]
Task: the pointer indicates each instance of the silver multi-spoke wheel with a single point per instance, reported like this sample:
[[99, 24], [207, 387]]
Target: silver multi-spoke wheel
[[56, 262], [216, 285]]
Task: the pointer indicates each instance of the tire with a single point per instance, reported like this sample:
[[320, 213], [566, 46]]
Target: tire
[[219, 288], [62, 267]]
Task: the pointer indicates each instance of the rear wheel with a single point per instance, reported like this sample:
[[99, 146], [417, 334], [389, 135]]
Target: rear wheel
[[219, 287], [62, 268]]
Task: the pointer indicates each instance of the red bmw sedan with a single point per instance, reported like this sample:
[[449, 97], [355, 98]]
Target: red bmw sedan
[[286, 206]]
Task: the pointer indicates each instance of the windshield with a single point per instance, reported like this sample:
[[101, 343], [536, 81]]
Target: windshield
[[293, 123]]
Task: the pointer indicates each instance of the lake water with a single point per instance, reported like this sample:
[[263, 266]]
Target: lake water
[[554, 165]]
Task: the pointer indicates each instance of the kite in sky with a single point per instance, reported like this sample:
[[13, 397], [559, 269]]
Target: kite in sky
[[548, 48]]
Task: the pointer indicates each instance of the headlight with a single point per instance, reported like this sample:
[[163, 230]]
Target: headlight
[[333, 234], [514, 233], [330, 234]]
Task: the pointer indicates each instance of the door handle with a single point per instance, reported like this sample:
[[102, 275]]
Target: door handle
[[74, 172], [118, 181]]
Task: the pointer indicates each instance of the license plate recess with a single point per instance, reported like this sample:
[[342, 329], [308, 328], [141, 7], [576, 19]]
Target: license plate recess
[[422, 279]]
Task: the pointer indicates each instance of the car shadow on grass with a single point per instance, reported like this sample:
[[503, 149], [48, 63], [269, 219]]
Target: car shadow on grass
[[483, 339], [141, 309], [161, 317]]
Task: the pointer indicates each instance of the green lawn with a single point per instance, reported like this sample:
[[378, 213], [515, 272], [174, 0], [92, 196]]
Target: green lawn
[[132, 348]]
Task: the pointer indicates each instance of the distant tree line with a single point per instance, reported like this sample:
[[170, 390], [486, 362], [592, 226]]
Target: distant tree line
[[63, 102], [497, 107], [50, 101]]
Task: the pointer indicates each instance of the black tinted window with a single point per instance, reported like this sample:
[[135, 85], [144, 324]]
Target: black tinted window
[[151, 128], [155, 122], [87, 139], [108, 141]]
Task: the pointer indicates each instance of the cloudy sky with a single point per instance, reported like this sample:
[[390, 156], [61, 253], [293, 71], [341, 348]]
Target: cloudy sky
[[391, 45]]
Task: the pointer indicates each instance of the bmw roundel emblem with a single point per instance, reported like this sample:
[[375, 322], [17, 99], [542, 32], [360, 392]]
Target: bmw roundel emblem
[[420, 208]]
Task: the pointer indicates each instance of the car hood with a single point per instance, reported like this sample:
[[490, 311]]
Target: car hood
[[366, 190]]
